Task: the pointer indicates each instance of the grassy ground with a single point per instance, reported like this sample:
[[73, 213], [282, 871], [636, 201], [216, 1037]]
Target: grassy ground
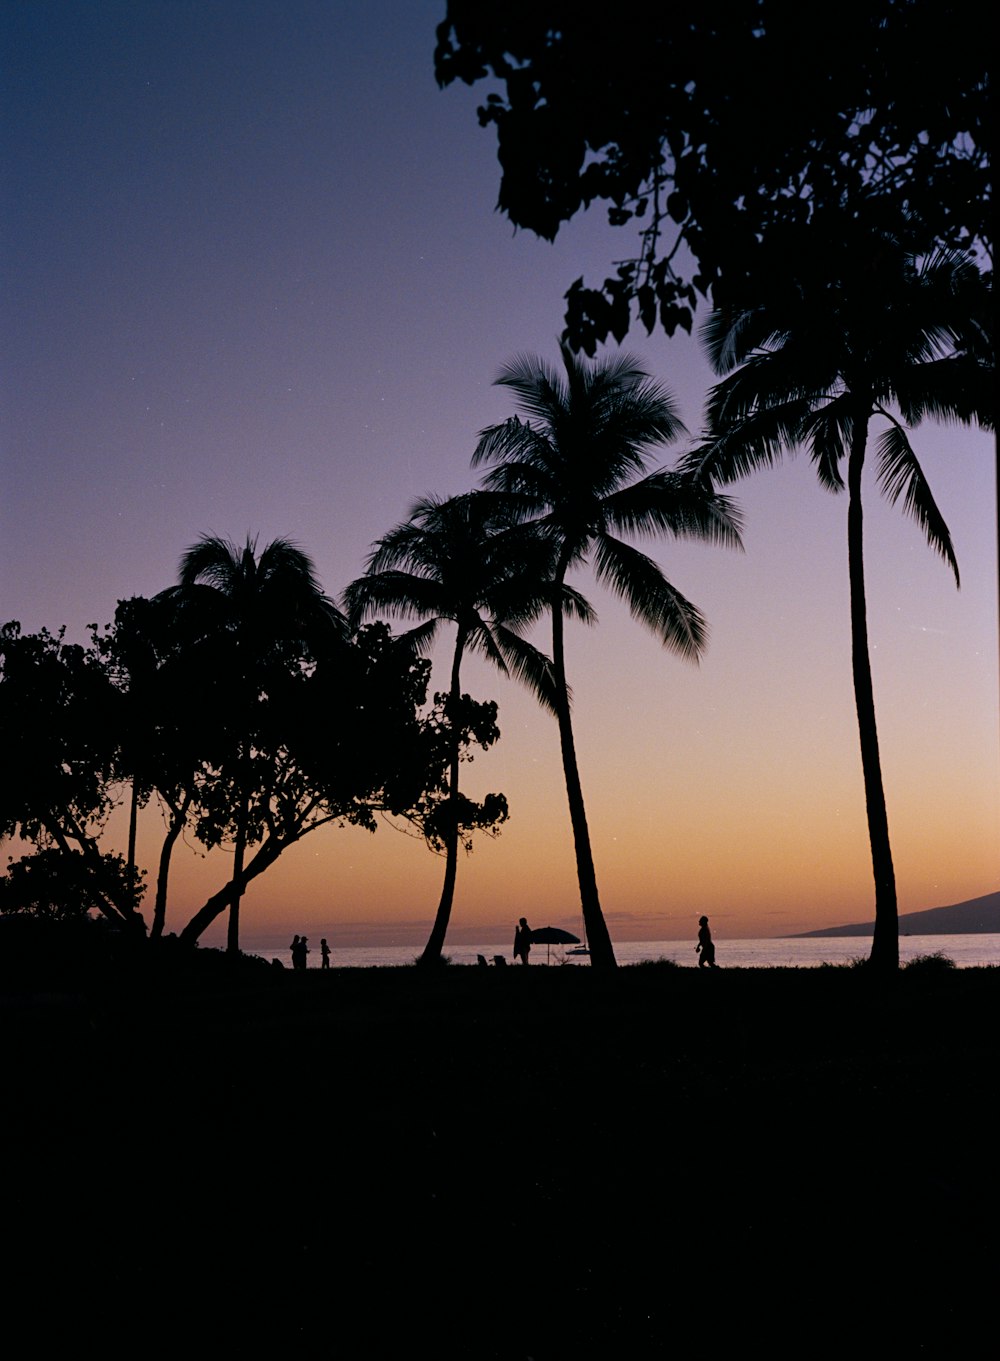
[[502, 1163]]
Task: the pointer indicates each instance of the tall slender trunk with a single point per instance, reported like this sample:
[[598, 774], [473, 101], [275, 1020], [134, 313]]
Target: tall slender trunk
[[435, 943], [264, 857], [133, 822], [238, 885], [602, 955], [178, 816], [242, 821], [885, 942]]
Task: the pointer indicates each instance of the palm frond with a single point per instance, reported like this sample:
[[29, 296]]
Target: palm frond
[[651, 599], [576, 606], [421, 639], [680, 505], [958, 388], [399, 595], [529, 665], [731, 451], [900, 475], [827, 433], [212, 561]]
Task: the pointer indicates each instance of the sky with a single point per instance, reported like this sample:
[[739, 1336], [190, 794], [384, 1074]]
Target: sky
[[254, 283]]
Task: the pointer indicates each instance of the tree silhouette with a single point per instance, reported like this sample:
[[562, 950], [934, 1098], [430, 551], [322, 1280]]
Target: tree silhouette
[[869, 330], [261, 616], [177, 712], [658, 114], [569, 468], [455, 561], [60, 726]]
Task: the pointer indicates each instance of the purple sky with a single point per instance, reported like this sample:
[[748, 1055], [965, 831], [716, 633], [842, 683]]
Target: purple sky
[[254, 283]]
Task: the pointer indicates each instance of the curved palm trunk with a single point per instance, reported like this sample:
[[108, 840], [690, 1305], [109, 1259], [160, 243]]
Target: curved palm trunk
[[602, 955], [435, 943], [885, 942]]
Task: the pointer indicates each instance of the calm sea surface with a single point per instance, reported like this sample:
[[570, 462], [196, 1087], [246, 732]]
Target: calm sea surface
[[966, 951]]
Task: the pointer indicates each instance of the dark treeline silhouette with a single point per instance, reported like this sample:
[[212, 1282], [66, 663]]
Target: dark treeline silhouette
[[252, 718], [254, 711]]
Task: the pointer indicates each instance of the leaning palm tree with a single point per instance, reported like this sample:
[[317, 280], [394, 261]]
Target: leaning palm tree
[[457, 561], [260, 616], [573, 469], [867, 332]]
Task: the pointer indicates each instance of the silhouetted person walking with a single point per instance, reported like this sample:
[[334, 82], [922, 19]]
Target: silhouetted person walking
[[324, 950], [522, 941], [705, 947]]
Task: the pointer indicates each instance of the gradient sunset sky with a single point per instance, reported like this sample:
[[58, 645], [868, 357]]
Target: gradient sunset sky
[[255, 284]]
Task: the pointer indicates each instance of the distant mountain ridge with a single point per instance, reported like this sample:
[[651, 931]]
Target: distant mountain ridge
[[977, 916]]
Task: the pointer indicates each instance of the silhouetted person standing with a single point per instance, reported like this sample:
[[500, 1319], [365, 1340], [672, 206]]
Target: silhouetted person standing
[[300, 949], [324, 950], [522, 941], [705, 947]]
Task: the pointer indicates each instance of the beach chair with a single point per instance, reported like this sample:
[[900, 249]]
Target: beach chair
[[499, 960]]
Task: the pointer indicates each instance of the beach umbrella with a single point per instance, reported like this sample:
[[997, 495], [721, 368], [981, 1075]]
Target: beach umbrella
[[553, 935]]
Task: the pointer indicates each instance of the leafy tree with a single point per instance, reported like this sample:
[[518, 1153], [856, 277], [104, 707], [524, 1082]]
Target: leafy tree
[[66, 885], [343, 742], [707, 125], [59, 722], [336, 738], [260, 618], [870, 333], [455, 561], [174, 723], [573, 468]]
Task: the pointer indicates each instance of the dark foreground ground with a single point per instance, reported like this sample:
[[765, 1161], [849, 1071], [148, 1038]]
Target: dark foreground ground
[[500, 1163]]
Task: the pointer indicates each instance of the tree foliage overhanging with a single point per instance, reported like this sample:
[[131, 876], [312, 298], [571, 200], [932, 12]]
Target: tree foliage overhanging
[[710, 124]]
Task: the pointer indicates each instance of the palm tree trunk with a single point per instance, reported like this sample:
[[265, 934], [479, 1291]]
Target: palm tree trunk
[[602, 955], [435, 943], [885, 942]]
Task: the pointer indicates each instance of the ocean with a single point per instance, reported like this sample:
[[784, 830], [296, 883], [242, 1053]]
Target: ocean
[[967, 951]]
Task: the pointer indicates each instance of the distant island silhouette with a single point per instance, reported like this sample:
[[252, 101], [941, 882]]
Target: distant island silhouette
[[977, 916]]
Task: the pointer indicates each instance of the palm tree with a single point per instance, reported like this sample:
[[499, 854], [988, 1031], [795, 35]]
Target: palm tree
[[867, 331], [455, 561], [260, 616], [571, 468]]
